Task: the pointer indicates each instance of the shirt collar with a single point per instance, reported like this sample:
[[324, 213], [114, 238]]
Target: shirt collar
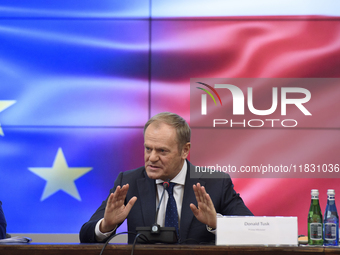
[[180, 177]]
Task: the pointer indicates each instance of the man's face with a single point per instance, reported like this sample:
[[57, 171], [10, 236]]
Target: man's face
[[161, 155]]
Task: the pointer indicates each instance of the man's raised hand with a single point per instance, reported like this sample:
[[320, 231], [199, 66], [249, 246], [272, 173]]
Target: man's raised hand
[[116, 211], [205, 212]]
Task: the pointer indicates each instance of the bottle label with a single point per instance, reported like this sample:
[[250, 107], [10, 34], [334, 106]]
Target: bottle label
[[315, 231], [330, 231]]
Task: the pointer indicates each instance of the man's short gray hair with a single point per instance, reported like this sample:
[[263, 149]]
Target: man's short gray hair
[[182, 128]]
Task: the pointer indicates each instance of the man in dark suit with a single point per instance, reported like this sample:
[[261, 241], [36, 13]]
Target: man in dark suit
[[136, 192]]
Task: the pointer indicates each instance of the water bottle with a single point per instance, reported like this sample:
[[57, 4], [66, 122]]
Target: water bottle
[[315, 236], [331, 221]]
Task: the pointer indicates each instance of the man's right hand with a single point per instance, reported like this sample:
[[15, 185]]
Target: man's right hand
[[115, 211]]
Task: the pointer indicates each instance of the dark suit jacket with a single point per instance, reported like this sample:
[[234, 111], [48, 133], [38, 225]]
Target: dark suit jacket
[[221, 191]]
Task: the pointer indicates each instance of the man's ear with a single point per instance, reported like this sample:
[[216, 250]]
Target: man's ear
[[186, 150]]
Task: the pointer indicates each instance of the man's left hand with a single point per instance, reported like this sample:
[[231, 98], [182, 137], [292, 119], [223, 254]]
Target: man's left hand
[[205, 212]]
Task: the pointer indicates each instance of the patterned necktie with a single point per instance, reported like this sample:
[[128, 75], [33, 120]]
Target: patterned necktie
[[171, 214]]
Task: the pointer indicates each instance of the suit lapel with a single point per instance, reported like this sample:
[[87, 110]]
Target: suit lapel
[[188, 198], [147, 191]]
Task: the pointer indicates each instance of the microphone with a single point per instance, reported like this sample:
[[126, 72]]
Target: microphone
[[158, 234], [155, 227]]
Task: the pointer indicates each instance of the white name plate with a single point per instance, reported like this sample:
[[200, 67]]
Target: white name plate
[[254, 230]]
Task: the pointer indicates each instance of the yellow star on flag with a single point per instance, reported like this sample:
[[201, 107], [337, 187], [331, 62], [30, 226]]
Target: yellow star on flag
[[3, 105], [60, 176]]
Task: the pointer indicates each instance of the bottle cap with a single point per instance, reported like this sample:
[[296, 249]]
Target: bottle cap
[[315, 192], [330, 192]]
